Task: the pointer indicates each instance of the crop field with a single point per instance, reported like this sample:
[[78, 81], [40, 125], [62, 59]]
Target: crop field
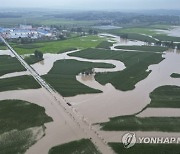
[[39, 20], [141, 30], [165, 97], [144, 48], [104, 45], [138, 34], [60, 46], [133, 123], [18, 83], [146, 148], [2, 47], [18, 138], [9, 64], [163, 37], [136, 65], [175, 75], [63, 76], [77, 147]]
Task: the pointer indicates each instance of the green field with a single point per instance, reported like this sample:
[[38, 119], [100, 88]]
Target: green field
[[83, 146], [175, 75], [137, 30], [163, 37], [2, 47], [18, 83], [59, 21], [163, 27], [32, 59], [136, 65], [144, 48], [165, 97], [9, 64], [40, 20], [104, 45], [63, 76], [146, 148], [18, 137], [133, 123], [60, 46], [136, 33]]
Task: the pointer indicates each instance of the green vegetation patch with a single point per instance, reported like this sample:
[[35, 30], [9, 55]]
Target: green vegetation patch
[[133, 123], [144, 48], [175, 75], [105, 45], [146, 148], [83, 146], [138, 34], [16, 118], [17, 142], [164, 37], [18, 83], [63, 76], [162, 27], [32, 59], [28, 46], [165, 97], [9, 64], [136, 65], [137, 30], [11, 118], [61, 46], [140, 37], [2, 47], [135, 33]]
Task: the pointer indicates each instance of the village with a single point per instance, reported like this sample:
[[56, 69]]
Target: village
[[28, 31]]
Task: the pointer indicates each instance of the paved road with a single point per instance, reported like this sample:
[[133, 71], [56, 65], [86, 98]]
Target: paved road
[[79, 119]]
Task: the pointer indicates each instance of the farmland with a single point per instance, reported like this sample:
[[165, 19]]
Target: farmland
[[81, 146], [63, 76], [146, 148], [136, 65], [60, 46], [16, 137]]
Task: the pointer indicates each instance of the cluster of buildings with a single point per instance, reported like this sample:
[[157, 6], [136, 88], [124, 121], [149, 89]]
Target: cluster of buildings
[[27, 31]]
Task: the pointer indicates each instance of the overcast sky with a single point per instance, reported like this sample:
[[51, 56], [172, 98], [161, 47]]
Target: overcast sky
[[93, 4]]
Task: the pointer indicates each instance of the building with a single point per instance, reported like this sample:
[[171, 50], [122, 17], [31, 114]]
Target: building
[[25, 27]]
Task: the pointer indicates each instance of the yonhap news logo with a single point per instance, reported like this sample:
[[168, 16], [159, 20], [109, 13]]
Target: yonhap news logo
[[130, 139]]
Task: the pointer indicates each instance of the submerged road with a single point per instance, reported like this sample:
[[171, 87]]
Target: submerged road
[[77, 118]]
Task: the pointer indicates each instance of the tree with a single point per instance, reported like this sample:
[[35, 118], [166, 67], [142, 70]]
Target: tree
[[95, 32], [158, 43], [79, 29], [90, 32], [38, 54], [178, 46]]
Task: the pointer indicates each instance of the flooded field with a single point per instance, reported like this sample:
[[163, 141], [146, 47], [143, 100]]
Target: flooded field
[[118, 41], [57, 132], [172, 32], [97, 107], [107, 27], [115, 103]]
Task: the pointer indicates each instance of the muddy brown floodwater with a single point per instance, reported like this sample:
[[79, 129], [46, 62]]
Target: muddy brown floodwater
[[113, 102], [175, 31], [61, 130]]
